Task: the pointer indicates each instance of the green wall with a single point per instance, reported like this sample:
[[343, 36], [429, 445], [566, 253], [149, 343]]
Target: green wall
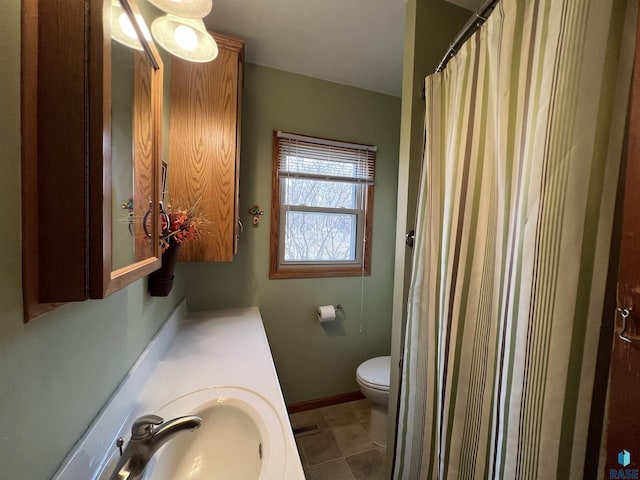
[[57, 371], [312, 360], [430, 26]]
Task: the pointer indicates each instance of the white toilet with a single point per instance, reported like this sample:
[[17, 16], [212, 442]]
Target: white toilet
[[373, 381]]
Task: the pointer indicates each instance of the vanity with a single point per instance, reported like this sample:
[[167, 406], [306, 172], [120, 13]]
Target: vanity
[[216, 365]]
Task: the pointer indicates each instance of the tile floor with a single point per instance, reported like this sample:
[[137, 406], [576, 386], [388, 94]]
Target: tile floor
[[334, 445]]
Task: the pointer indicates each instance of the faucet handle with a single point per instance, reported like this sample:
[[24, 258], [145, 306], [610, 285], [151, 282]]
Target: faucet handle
[[142, 426]]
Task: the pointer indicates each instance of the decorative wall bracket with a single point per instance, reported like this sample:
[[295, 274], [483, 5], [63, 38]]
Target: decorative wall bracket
[[128, 205], [256, 212]]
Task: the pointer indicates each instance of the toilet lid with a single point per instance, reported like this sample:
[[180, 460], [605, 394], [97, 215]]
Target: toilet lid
[[376, 372]]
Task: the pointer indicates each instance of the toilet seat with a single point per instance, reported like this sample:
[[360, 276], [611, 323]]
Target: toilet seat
[[379, 388], [375, 373]]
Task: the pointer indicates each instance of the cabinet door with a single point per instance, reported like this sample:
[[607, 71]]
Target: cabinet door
[[124, 159], [204, 148], [67, 169]]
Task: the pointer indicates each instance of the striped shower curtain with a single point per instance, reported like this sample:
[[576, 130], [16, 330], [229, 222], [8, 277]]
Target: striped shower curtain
[[524, 132]]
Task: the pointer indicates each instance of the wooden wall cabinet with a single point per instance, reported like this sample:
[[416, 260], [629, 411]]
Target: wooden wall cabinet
[[67, 134], [206, 102]]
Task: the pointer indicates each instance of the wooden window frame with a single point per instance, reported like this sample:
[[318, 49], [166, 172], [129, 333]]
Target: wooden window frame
[[318, 270]]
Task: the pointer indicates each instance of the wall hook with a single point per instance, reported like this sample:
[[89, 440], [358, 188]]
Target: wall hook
[[256, 212], [624, 313]]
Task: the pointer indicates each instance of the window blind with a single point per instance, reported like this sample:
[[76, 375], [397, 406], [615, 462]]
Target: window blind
[[316, 158]]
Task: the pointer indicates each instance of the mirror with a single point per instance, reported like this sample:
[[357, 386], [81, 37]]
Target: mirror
[[124, 230], [131, 155]]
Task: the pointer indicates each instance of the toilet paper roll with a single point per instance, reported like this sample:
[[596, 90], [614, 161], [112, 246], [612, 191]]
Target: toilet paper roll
[[326, 313]]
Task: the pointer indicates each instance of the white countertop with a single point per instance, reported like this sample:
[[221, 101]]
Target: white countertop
[[216, 349], [209, 349]]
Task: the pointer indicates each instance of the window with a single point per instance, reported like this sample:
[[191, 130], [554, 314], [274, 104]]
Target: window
[[322, 207]]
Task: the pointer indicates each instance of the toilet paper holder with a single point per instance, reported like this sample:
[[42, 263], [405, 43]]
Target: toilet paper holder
[[329, 313], [337, 306]]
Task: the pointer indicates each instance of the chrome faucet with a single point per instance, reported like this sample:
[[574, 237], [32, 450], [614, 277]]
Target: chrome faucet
[[148, 434]]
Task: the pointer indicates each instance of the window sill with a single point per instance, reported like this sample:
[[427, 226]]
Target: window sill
[[318, 272]]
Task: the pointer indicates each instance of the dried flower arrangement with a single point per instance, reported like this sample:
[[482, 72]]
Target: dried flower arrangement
[[180, 225]]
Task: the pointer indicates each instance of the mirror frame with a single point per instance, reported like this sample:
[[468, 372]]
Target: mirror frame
[[103, 279]]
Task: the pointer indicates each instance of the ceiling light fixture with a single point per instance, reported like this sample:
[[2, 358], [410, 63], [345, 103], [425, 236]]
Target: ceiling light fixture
[[185, 38], [184, 8]]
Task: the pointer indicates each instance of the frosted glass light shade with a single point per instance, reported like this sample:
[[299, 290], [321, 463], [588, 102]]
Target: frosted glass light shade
[[185, 38], [122, 30], [184, 8]]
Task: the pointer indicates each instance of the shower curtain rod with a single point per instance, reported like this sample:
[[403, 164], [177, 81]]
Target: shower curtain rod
[[478, 18], [469, 28]]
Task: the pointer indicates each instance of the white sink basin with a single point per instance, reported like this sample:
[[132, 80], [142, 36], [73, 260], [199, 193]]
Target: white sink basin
[[241, 438]]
